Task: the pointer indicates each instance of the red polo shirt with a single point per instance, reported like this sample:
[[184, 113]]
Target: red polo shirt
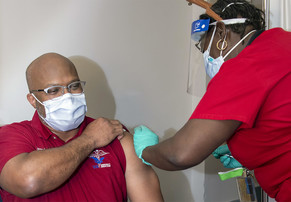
[[100, 178]]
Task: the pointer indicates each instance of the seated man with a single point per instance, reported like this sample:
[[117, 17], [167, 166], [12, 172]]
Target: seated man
[[62, 155]]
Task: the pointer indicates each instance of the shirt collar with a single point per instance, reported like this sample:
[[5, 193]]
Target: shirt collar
[[255, 35], [36, 123]]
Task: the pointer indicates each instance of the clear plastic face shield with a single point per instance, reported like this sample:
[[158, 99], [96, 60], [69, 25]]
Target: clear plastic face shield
[[196, 72], [198, 32], [197, 75]]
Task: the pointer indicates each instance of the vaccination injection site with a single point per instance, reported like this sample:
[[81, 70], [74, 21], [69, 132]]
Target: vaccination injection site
[[146, 101]]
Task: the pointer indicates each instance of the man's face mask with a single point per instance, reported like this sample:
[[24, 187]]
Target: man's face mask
[[65, 112]]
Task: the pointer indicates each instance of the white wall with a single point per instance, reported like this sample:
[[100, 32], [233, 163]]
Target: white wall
[[280, 14], [134, 55]]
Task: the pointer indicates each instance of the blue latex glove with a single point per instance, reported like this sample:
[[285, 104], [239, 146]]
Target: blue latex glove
[[142, 138], [220, 151], [229, 162], [225, 157]]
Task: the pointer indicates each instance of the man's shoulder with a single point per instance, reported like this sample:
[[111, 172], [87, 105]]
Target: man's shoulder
[[16, 125], [16, 129], [126, 143]]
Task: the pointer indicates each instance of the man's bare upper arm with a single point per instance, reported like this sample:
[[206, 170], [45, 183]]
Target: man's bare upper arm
[[141, 180]]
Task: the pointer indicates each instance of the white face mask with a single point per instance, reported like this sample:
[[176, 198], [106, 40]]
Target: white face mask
[[212, 65], [66, 112]]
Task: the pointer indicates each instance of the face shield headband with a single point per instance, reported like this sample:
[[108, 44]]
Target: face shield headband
[[200, 28]]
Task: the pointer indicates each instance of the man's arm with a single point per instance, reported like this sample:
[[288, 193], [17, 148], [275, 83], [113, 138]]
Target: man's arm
[[141, 180], [191, 144], [30, 174]]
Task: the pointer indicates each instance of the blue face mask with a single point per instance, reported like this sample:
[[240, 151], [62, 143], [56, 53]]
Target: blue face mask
[[212, 65]]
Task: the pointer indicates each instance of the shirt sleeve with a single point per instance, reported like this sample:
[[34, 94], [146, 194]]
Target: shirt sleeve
[[233, 94], [14, 140]]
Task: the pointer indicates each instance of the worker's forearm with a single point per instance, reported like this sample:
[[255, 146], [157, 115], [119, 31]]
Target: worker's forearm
[[192, 144], [165, 156], [45, 170]]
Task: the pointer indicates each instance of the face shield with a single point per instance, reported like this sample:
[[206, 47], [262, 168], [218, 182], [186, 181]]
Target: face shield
[[198, 32], [196, 74]]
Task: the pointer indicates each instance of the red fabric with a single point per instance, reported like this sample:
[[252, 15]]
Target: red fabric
[[91, 182], [285, 191], [254, 88]]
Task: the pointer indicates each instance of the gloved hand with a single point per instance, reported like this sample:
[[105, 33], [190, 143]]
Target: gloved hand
[[225, 157], [220, 151], [142, 138], [229, 162]]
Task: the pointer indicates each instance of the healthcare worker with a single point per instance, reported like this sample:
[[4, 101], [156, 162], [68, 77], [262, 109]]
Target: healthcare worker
[[247, 102]]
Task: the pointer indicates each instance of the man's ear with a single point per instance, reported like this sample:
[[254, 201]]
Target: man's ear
[[31, 100], [221, 29]]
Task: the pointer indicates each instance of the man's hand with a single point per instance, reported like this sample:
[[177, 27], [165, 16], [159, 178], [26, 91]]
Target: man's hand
[[142, 138], [102, 131], [225, 157]]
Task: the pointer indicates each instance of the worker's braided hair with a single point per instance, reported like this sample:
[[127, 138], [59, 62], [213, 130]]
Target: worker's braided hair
[[239, 8]]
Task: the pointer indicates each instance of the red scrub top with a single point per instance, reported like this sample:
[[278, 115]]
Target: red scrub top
[[255, 88]]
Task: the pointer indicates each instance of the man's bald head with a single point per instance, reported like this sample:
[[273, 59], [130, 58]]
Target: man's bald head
[[49, 69]]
